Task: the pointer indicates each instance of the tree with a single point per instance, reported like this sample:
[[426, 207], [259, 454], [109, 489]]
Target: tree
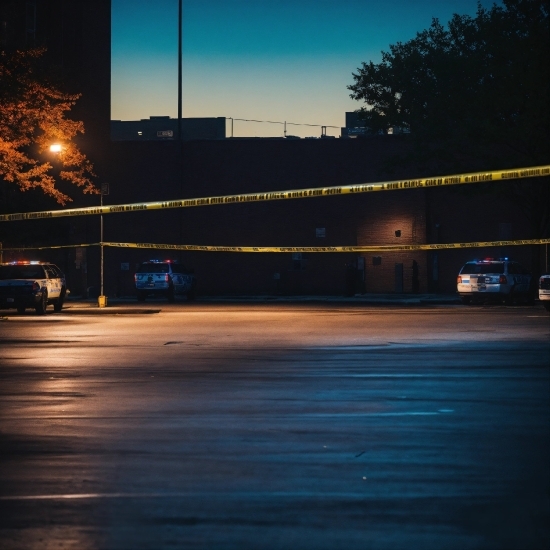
[[480, 84], [32, 118]]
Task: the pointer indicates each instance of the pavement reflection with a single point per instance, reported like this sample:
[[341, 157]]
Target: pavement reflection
[[276, 428]]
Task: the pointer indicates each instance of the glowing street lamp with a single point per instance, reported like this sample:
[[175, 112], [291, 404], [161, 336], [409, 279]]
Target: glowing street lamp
[[55, 148]]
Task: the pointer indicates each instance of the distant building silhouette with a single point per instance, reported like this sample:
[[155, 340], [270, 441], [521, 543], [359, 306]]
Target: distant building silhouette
[[166, 128]]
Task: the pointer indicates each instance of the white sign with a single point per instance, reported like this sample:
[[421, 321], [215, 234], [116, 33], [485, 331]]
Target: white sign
[[165, 133]]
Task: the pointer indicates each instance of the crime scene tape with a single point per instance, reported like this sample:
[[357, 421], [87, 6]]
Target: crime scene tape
[[380, 248], [54, 247], [439, 181]]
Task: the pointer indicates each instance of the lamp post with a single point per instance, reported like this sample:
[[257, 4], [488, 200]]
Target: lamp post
[[180, 84], [102, 299]]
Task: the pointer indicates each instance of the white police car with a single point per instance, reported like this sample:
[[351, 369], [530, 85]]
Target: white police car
[[31, 285], [544, 291], [494, 280], [164, 278]]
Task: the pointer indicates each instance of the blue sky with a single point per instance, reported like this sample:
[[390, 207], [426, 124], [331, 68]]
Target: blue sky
[[264, 59]]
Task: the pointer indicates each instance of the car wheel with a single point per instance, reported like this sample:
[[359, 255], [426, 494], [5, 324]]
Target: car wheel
[[466, 300], [20, 309], [58, 305], [141, 296], [43, 304]]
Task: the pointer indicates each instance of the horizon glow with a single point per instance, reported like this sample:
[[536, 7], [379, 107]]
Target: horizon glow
[[286, 61]]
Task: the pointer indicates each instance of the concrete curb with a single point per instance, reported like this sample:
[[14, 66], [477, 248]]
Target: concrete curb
[[130, 305]]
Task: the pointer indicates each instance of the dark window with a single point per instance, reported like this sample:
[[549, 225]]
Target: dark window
[[58, 272], [475, 268], [299, 261], [21, 272]]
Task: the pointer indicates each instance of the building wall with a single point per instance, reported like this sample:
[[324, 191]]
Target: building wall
[[161, 171], [398, 218]]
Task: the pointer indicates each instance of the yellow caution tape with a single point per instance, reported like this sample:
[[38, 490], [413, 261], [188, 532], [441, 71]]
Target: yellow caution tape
[[20, 248], [380, 248], [474, 177]]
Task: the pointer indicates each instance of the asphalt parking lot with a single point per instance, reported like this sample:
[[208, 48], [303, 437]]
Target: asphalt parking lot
[[297, 425]]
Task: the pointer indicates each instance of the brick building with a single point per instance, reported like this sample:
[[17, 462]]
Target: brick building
[[78, 37]]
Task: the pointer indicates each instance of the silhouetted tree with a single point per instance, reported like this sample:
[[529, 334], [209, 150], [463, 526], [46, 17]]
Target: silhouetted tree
[[481, 82], [33, 117]]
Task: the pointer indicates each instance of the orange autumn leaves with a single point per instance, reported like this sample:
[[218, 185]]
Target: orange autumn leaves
[[32, 118]]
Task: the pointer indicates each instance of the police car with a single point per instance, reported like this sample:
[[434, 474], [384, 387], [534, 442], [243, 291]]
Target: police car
[[544, 291], [494, 280], [31, 285], [164, 278]]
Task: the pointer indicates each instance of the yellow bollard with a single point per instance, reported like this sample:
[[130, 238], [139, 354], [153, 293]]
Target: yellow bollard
[[102, 301]]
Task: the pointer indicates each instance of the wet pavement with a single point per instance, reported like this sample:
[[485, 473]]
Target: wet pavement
[[276, 426]]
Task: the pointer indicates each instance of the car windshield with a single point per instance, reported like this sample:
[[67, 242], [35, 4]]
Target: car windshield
[[475, 268], [21, 272], [154, 268]]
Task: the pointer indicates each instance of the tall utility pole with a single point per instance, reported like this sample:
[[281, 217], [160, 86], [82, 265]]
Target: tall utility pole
[[180, 114], [180, 17]]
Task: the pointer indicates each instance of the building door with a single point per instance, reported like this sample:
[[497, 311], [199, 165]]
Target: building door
[[399, 278]]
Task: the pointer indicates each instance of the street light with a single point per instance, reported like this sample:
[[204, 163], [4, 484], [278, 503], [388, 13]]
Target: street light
[[102, 299], [55, 148]]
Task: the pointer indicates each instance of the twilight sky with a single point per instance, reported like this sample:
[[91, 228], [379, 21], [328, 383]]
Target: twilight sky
[[257, 59]]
